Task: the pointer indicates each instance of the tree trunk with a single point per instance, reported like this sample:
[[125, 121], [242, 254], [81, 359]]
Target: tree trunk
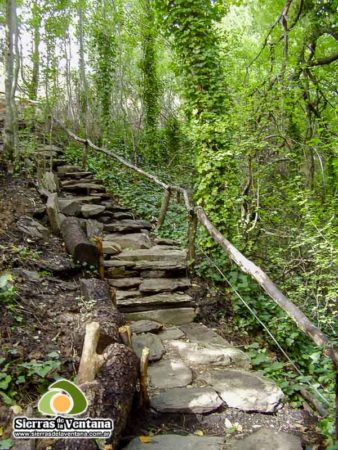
[[11, 74], [34, 84]]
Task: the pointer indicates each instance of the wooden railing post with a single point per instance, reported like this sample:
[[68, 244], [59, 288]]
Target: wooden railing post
[[164, 208], [85, 156], [192, 231]]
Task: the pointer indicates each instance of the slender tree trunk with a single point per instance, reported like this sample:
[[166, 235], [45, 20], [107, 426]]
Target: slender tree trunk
[[11, 77], [34, 84], [83, 91]]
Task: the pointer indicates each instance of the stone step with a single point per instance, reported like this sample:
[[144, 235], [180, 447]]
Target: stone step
[[84, 187], [177, 442], [132, 241], [174, 265], [73, 182], [83, 199], [153, 255], [77, 175], [168, 374], [170, 316], [140, 303], [123, 295], [152, 285], [126, 225], [197, 332], [163, 241], [91, 210], [67, 168], [267, 439], [125, 283], [144, 326], [182, 400], [151, 341], [196, 354], [244, 390]]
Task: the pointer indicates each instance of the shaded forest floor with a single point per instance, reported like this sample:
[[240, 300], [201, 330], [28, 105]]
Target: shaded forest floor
[[39, 341]]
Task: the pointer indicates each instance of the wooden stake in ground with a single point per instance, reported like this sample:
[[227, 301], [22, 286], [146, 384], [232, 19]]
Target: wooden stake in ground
[[99, 246], [144, 363]]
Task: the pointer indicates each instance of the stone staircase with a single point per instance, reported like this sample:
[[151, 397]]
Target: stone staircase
[[193, 370]]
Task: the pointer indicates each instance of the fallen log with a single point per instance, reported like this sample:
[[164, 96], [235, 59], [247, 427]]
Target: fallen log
[[109, 383], [77, 244], [102, 310]]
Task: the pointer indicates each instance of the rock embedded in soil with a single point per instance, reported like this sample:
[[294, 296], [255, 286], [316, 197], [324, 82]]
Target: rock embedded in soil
[[152, 342], [169, 373], [246, 391], [123, 295], [267, 439], [145, 326], [204, 354], [91, 210], [184, 400], [32, 228]]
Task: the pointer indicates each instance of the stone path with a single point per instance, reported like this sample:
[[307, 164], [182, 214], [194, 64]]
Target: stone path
[[193, 370]]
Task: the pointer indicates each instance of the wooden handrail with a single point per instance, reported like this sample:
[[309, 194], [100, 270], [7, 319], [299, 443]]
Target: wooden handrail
[[247, 266]]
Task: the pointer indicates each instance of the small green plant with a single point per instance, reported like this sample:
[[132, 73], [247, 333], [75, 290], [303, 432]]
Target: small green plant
[[14, 375]]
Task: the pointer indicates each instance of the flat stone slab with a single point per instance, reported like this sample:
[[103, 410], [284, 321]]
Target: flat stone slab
[[68, 168], [197, 332], [131, 241], [267, 439], [177, 442], [169, 373], [172, 316], [152, 342], [170, 334], [70, 207], [151, 265], [151, 285], [164, 241], [81, 186], [145, 326], [184, 400], [83, 198], [126, 283], [152, 255], [111, 248], [204, 354], [123, 295], [139, 302], [91, 210], [93, 228], [244, 390], [127, 225]]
